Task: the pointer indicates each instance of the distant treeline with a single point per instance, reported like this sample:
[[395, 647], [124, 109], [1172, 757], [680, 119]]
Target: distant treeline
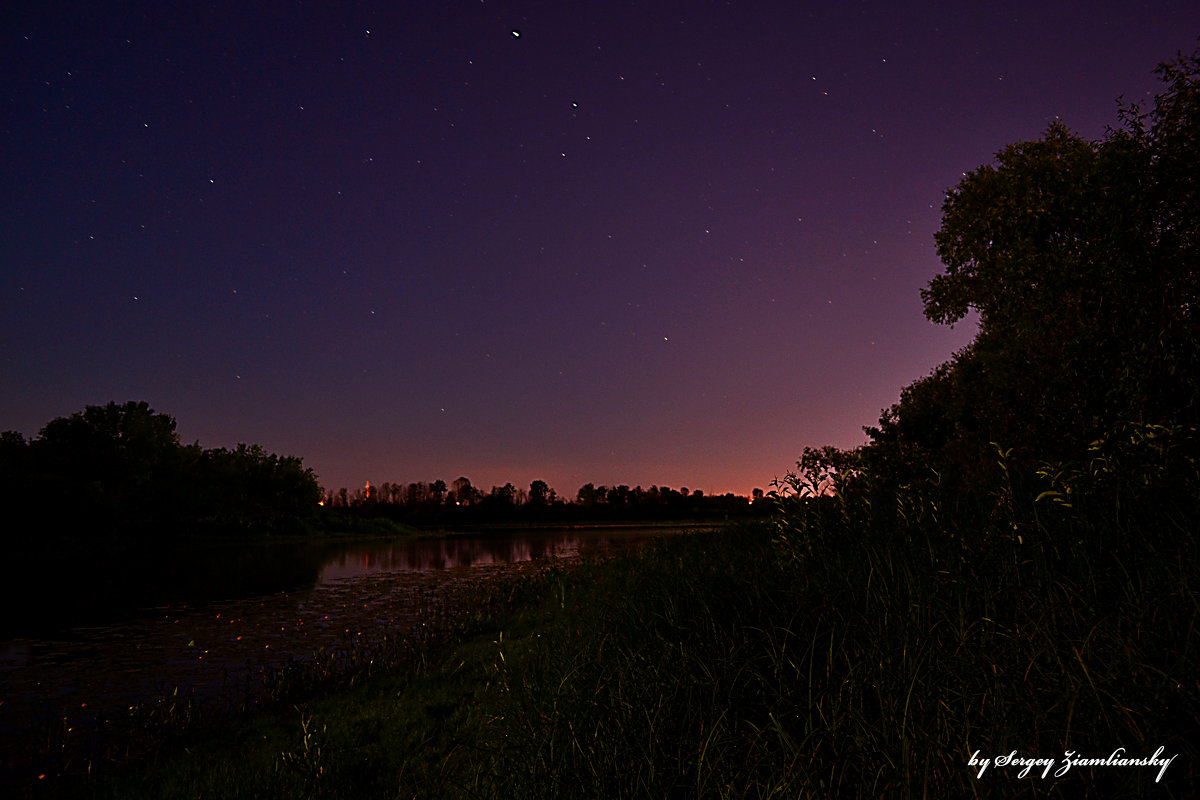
[[121, 469], [423, 503]]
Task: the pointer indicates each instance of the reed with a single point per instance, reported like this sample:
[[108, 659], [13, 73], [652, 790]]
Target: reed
[[843, 649]]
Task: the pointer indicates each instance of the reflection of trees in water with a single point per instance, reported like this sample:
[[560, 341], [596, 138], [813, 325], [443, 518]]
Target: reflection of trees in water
[[86, 586], [95, 585], [471, 550], [424, 555]]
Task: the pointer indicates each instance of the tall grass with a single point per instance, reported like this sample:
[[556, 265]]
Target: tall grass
[[847, 649]]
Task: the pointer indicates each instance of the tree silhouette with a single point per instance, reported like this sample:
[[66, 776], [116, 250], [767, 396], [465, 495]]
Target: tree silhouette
[[1080, 259], [120, 469], [539, 493]]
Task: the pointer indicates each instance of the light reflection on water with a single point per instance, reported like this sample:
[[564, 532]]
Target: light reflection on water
[[427, 555], [214, 647]]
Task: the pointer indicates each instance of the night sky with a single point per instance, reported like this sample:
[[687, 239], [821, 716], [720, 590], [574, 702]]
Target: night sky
[[665, 243]]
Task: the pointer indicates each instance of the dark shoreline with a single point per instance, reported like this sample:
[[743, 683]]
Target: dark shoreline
[[438, 602]]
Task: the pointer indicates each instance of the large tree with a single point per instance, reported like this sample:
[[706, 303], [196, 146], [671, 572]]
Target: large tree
[[1079, 258]]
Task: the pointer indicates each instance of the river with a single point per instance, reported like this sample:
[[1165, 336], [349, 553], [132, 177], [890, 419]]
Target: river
[[208, 622]]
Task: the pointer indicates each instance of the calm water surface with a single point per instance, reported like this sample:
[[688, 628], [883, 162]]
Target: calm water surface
[[210, 620]]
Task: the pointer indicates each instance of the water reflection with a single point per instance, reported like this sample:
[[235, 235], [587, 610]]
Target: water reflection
[[218, 628], [88, 585], [502, 547]]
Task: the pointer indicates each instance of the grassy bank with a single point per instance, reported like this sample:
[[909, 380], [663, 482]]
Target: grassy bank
[[753, 662]]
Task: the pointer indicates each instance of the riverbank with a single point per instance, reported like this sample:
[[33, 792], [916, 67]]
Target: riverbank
[[742, 663], [77, 698]]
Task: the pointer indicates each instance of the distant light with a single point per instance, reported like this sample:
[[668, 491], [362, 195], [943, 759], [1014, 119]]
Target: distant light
[[516, 34]]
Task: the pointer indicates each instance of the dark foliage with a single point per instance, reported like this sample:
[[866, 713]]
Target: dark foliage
[[1033, 503], [120, 470], [1080, 260]]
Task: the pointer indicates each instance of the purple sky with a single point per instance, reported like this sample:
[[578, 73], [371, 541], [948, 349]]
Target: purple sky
[[647, 243]]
